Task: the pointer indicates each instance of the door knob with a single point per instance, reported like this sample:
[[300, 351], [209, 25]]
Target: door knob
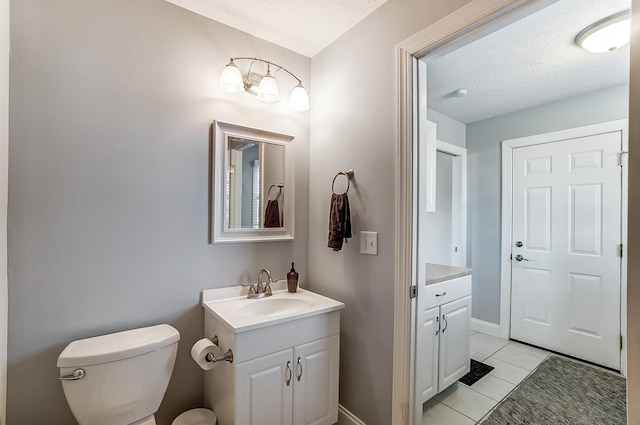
[[519, 244], [520, 258]]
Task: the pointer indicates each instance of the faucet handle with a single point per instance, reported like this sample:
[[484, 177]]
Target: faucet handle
[[267, 288], [252, 289]]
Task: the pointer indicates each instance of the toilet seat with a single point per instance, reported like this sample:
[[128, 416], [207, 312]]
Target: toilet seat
[[196, 417]]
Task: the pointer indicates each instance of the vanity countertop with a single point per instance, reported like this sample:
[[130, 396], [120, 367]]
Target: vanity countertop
[[438, 272], [240, 314]]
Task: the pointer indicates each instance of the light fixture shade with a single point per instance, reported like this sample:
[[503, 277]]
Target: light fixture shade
[[299, 99], [606, 35], [268, 89], [231, 79]]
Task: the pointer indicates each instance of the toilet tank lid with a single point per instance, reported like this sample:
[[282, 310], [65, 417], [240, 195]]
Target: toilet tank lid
[[117, 346]]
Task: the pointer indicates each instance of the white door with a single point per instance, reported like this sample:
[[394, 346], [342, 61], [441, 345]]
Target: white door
[[566, 247], [264, 390], [315, 396], [455, 341]]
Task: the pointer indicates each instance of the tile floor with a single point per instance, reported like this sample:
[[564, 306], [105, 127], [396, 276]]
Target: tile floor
[[461, 404]]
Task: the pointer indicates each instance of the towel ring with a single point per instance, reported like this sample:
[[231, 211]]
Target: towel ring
[[279, 186], [348, 174]]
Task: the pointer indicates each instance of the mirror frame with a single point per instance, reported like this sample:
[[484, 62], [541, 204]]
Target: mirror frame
[[218, 232]]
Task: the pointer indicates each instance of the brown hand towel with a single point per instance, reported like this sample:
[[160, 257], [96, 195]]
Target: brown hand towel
[[272, 214], [339, 221]]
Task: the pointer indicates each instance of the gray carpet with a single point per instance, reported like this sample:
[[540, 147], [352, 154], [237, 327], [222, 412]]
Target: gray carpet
[[564, 392]]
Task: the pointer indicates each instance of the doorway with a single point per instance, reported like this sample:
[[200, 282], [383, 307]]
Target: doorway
[[436, 36], [444, 238]]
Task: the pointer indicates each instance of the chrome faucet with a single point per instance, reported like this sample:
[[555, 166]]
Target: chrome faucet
[[260, 289]]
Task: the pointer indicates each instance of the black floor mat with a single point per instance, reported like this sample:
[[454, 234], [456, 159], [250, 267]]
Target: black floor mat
[[478, 370]]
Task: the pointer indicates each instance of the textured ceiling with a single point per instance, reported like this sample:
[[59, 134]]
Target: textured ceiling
[[528, 63], [304, 26]]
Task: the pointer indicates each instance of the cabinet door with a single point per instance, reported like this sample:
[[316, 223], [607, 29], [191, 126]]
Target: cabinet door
[[455, 348], [427, 365], [264, 390], [315, 397]]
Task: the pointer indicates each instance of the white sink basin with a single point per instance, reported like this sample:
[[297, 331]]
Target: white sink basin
[[232, 307], [271, 307]]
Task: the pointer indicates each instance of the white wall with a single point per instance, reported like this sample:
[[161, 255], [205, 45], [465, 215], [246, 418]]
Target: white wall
[[4, 144], [110, 112], [353, 125], [484, 181]]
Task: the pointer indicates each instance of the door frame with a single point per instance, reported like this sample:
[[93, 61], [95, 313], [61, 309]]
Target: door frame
[[507, 215], [470, 19]]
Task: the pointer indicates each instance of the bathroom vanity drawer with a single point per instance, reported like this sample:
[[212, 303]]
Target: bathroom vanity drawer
[[447, 291]]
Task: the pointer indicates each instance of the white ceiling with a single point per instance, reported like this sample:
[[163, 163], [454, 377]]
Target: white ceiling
[[528, 63], [304, 26]]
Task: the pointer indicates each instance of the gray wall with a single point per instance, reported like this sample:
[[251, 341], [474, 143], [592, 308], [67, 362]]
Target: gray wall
[[353, 125], [4, 144], [110, 112], [484, 177], [438, 245], [449, 130]]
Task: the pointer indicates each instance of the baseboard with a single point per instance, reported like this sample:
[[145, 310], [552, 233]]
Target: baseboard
[[347, 418], [485, 327]]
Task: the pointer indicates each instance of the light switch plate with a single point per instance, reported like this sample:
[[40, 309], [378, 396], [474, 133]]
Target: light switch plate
[[369, 243]]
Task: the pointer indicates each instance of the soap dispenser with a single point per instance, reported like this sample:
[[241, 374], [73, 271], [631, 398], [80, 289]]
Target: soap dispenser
[[292, 279]]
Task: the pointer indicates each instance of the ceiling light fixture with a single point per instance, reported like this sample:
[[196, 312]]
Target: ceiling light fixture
[[263, 86], [606, 35]]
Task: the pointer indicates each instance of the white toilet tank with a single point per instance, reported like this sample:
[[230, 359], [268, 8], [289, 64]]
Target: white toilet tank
[[125, 375]]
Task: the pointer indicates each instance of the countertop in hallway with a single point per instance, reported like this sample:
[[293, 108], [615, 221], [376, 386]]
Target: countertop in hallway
[[438, 272]]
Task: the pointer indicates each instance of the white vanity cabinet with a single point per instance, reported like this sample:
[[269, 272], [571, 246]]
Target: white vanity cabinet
[[284, 371], [295, 386], [444, 349]]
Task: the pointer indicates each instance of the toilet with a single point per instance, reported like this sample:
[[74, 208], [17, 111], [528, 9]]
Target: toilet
[[120, 378]]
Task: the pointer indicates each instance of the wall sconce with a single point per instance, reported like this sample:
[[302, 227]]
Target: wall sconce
[[264, 87], [607, 34]]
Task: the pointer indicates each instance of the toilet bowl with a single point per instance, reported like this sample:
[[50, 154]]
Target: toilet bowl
[[196, 417], [119, 378]]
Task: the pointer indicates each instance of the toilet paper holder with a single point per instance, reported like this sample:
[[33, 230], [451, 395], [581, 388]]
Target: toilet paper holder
[[226, 357]]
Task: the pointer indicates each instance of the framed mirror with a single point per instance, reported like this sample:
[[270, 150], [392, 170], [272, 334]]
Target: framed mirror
[[252, 186]]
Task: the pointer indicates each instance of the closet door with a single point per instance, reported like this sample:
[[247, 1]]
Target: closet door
[[455, 342], [427, 363]]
